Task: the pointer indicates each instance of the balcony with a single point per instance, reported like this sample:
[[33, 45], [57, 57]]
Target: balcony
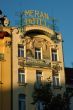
[[1, 56], [34, 62], [55, 66]]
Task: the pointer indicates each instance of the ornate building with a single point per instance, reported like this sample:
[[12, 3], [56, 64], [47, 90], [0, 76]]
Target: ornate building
[[29, 56], [37, 56]]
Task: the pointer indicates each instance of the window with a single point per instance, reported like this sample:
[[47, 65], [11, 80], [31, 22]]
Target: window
[[56, 79], [22, 102], [21, 76], [38, 76], [54, 55], [37, 53], [1, 56], [39, 106], [20, 50]]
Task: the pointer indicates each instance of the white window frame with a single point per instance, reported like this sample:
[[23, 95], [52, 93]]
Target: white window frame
[[38, 75], [54, 54], [37, 52], [54, 78], [20, 50], [20, 76]]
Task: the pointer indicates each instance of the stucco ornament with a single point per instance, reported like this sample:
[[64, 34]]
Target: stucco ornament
[[6, 21]]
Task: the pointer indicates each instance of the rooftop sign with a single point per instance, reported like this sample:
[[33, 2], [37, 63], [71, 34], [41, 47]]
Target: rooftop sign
[[34, 13], [33, 17]]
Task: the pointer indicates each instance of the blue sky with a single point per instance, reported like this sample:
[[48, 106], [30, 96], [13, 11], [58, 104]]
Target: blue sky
[[60, 9]]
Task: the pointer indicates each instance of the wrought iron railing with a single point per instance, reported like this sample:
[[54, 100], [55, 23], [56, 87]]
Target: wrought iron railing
[[34, 62]]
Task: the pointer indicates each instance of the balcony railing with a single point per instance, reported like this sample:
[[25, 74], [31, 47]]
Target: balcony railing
[[34, 62], [1, 56]]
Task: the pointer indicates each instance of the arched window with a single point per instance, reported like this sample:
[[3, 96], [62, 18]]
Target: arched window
[[22, 105]]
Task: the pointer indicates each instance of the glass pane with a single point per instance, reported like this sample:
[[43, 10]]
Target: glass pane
[[20, 50], [57, 81], [23, 78], [39, 105], [22, 105], [54, 82], [22, 53], [54, 55], [38, 76], [39, 55], [21, 102], [35, 55], [19, 77]]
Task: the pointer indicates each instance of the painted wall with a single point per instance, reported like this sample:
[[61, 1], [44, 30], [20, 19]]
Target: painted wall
[[5, 74], [46, 44]]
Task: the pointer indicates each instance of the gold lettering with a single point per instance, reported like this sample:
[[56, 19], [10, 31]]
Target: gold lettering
[[34, 13], [25, 21], [41, 15], [28, 12], [46, 16], [37, 14], [40, 21], [44, 22], [31, 21], [35, 21]]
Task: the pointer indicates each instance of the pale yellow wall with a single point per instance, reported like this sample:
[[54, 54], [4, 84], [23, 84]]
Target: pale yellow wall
[[30, 72], [5, 75]]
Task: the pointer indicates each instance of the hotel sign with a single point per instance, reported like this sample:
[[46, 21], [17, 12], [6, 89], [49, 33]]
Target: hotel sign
[[33, 17]]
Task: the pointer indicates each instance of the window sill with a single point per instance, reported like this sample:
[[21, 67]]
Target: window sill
[[22, 84], [57, 87], [57, 61]]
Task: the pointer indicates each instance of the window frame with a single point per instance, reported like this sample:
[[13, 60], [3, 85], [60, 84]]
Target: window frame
[[21, 76], [22, 99], [20, 50], [54, 54], [38, 76], [56, 80], [38, 53]]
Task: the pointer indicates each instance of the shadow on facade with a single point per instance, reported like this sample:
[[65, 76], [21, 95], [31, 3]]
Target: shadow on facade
[[6, 96]]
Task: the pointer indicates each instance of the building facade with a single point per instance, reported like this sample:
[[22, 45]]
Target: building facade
[[29, 56], [5, 69], [36, 57]]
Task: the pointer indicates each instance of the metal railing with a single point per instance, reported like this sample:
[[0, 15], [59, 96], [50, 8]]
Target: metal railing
[[34, 62]]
